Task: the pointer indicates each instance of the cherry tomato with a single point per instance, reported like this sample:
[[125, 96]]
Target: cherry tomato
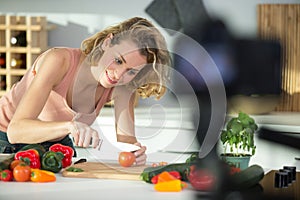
[[234, 170], [22, 173], [162, 163], [126, 159]]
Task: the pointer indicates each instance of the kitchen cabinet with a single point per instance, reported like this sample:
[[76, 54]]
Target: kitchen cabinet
[[280, 22]]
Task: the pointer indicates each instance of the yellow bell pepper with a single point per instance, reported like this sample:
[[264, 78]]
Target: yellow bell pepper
[[39, 175], [169, 186]]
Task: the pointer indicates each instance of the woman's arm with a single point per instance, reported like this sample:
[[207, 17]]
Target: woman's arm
[[24, 126], [124, 114], [124, 102]]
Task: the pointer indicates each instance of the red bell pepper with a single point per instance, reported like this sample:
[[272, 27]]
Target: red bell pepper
[[32, 155], [176, 174], [66, 150], [6, 175], [165, 175], [154, 179]]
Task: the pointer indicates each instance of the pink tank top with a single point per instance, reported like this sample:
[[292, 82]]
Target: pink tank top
[[56, 107]]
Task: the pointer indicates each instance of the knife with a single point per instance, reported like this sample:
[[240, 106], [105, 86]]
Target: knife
[[178, 152], [121, 146]]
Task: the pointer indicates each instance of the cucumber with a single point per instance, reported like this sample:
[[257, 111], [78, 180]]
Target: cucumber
[[248, 177]]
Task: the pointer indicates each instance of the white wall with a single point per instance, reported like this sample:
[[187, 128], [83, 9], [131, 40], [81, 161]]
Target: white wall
[[77, 19], [240, 15]]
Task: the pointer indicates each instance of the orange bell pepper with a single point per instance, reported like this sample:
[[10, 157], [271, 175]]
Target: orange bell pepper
[[39, 175], [165, 176], [169, 186]]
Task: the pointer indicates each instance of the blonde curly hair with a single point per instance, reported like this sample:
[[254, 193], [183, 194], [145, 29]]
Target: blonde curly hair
[[152, 79]]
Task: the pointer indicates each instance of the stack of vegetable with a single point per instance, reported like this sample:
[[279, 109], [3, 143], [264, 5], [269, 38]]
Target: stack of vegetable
[[34, 163], [168, 182], [200, 176], [180, 174]]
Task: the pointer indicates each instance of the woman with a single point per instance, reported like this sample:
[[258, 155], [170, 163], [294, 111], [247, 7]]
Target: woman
[[64, 91]]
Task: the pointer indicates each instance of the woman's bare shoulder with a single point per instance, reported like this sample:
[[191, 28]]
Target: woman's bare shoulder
[[57, 58], [59, 54], [53, 64]]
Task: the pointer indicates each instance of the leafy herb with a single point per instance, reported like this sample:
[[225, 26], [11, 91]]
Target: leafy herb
[[239, 134], [74, 169]]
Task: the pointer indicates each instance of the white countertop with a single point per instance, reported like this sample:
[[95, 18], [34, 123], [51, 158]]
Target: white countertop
[[89, 188], [86, 188], [269, 155]]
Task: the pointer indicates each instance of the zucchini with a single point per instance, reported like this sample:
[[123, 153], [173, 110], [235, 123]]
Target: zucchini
[[74, 169], [5, 163], [40, 148], [182, 168], [248, 177]]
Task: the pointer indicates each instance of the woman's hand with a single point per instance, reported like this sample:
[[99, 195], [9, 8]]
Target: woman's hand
[[140, 155], [84, 135]]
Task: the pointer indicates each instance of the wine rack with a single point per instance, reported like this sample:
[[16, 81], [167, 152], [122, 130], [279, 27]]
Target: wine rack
[[22, 40]]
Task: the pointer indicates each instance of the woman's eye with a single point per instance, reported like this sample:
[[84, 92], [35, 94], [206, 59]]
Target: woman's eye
[[118, 61]]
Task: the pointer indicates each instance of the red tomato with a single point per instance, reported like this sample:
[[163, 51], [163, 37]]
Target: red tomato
[[202, 179], [22, 173], [126, 159], [14, 163]]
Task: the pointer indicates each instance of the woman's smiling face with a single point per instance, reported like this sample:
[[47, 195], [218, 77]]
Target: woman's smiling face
[[119, 64]]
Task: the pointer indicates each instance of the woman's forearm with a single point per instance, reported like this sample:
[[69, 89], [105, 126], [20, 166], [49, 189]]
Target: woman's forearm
[[35, 131], [126, 138], [124, 115]]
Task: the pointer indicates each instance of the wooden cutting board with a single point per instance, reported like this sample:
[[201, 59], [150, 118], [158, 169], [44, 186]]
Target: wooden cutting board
[[105, 171]]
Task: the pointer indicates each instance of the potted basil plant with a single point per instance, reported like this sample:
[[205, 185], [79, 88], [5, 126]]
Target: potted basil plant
[[238, 140]]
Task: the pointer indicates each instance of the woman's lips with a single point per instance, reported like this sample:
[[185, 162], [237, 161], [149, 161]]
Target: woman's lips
[[110, 80]]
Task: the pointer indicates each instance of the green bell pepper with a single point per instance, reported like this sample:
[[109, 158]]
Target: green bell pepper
[[52, 161]]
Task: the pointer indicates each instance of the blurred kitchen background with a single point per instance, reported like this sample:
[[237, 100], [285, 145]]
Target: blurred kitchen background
[[229, 31]]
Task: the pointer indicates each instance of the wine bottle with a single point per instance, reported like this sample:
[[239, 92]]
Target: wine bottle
[[2, 82], [2, 60], [19, 39], [16, 63]]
